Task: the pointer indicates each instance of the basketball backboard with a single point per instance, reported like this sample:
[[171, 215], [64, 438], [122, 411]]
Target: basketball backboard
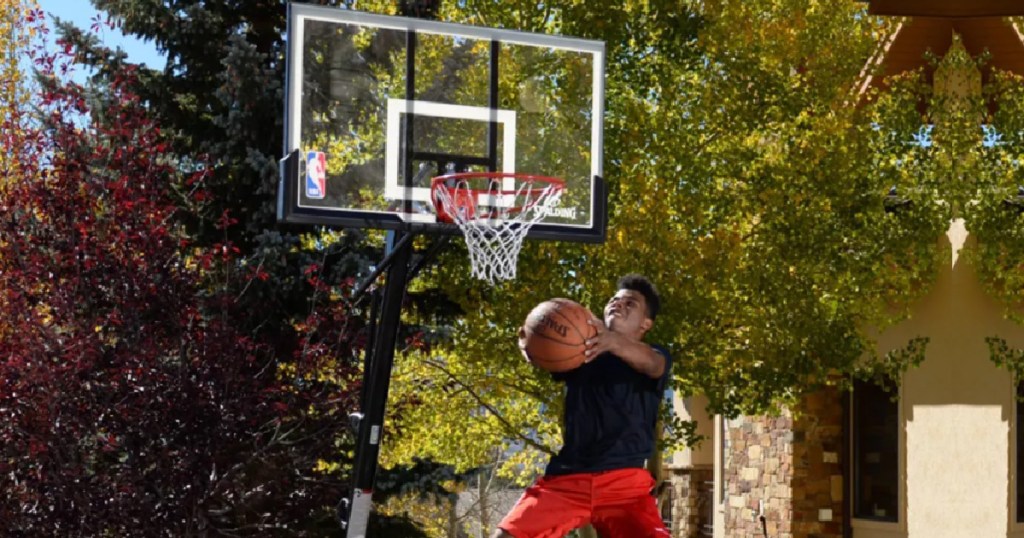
[[376, 106]]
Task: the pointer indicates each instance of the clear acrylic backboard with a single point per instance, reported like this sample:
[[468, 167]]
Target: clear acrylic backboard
[[377, 106]]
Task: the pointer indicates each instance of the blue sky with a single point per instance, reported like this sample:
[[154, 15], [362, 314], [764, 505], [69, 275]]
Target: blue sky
[[81, 12]]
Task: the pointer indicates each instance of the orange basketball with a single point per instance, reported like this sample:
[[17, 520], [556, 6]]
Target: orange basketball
[[556, 332]]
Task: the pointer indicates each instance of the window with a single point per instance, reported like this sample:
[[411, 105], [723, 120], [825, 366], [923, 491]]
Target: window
[[666, 501], [876, 453]]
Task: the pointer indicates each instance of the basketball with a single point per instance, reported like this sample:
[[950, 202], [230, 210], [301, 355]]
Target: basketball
[[556, 332]]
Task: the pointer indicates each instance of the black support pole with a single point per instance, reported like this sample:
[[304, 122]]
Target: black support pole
[[409, 146], [377, 381], [492, 127], [377, 375]]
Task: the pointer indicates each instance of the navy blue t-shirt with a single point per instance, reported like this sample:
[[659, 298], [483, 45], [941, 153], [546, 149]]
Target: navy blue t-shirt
[[610, 411]]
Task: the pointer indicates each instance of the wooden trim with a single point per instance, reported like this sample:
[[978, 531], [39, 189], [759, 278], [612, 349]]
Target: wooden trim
[[867, 73], [847, 474], [947, 8], [1017, 32]]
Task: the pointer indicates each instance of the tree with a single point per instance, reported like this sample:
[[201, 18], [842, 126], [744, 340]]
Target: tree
[[220, 107], [747, 177], [978, 139], [138, 399], [792, 177], [16, 27], [747, 181]]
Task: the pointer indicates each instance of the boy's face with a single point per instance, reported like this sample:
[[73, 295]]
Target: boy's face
[[626, 312]]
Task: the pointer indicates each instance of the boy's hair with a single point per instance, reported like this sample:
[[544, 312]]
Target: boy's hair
[[641, 284]]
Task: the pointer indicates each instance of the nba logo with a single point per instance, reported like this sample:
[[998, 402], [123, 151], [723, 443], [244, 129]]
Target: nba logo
[[316, 175]]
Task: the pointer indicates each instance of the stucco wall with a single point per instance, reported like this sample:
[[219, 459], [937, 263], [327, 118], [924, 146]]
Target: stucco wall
[[694, 409], [957, 410], [956, 451]]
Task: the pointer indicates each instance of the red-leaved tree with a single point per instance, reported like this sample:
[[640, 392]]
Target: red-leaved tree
[[134, 398]]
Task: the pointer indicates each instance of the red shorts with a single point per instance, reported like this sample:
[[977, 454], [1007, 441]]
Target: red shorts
[[617, 503]]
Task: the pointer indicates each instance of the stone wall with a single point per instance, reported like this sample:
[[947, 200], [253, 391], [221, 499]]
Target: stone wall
[[691, 501], [787, 468]]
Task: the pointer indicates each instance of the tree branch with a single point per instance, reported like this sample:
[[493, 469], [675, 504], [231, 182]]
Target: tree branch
[[485, 405]]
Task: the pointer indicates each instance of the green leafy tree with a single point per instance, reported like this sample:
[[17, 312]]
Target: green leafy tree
[[16, 30], [979, 128], [749, 180]]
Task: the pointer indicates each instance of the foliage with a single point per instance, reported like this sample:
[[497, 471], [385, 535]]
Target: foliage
[[747, 183], [433, 515], [785, 216], [16, 29], [799, 256], [453, 505], [150, 383], [971, 159], [889, 372], [1006, 357], [994, 214], [218, 101], [489, 394]]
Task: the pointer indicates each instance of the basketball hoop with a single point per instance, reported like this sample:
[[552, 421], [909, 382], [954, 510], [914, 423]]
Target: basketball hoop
[[495, 211]]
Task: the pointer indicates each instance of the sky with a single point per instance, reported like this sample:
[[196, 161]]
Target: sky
[[81, 12]]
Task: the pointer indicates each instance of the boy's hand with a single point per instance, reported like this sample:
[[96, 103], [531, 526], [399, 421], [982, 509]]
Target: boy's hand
[[604, 340], [522, 344]]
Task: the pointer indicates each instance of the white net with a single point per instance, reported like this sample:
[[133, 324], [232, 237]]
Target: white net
[[494, 222]]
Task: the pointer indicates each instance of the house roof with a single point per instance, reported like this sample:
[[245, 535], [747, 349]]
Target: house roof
[[946, 8], [928, 26]]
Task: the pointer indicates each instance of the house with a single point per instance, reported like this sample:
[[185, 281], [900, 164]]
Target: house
[[942, 456]]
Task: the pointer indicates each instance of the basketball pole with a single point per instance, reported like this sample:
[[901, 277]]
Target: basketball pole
[[377, 378], [355, 514], [447, 123]]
